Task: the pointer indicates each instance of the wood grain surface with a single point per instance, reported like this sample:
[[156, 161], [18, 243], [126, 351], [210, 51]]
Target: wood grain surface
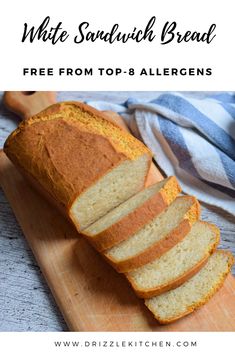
[[89, 293], [26, 303]]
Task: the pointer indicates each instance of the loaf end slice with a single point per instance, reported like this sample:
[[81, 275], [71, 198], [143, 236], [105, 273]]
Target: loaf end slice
[[126, 219], [178, 264], [156, 237], [81, 161], [194, 293]]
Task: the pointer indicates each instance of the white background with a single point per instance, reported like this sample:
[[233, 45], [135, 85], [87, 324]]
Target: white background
[[44, 342], [189, 15]]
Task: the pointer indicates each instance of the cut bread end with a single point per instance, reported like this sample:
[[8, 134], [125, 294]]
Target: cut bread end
[[178, 264], [126, 219], [109, 191], [194, 293], [156, 237]]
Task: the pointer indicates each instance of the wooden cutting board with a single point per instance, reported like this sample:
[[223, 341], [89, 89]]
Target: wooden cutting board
[[89, 293]]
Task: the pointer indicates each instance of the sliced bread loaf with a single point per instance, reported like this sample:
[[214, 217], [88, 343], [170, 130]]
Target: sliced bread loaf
[[183, 300], [126, 219], [156, 237], [178, 264], [81, 161]]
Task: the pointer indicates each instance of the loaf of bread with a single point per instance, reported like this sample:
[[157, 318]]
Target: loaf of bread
[[82, 162], [178, 264], [95, 173], [191, 295], [127, 218], [156, 237]]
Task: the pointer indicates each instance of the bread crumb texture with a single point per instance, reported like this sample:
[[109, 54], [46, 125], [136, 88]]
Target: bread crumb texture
[[157, 229], [169, 188], [181, 301], [200, 242]]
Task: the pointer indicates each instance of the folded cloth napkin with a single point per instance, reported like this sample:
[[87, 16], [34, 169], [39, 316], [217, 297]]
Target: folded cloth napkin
[[192, 138]]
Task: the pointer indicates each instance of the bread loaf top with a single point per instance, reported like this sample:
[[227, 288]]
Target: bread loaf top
[[68, 146]]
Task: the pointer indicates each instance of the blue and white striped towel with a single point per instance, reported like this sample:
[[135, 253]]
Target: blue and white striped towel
[[191, 138]]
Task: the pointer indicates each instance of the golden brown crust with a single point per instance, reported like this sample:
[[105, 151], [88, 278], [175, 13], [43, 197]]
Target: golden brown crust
[[129, 224], [171, 285], [171, 189], [121, 140], [135, 220], [194, 212], [154, 251], [160, 247], [38, 146], [38, 187], [148, 293], [206, 298]]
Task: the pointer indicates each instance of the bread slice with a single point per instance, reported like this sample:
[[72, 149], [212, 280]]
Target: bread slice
[[156, 237], [178, 264], [183, 300], [126, 219], [81, 161]]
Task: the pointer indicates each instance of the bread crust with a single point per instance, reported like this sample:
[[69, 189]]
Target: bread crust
[[205, 299], [149, 293], [38, 148], [134, 221], [160, 247]]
